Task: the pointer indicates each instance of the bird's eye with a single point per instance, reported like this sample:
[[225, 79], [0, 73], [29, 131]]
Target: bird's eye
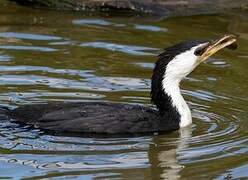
[[199, 51]]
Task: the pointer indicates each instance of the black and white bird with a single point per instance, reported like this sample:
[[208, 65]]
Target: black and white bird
[[172, 112]]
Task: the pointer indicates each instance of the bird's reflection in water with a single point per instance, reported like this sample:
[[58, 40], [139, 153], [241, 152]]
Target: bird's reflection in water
[[163, 154]]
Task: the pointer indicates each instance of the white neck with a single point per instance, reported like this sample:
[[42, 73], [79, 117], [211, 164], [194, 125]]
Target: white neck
[[176, 70], [171, 88]]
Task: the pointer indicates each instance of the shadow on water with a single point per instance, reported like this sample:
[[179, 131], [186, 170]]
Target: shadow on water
[[54, 56]]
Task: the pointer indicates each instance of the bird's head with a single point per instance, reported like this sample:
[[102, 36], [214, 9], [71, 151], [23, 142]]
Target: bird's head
[[178, 61], [181, 59]]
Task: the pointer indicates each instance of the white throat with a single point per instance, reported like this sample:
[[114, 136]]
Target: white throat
[[172, 89]]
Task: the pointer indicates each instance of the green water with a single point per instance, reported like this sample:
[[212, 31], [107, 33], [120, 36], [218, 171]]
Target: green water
[[68, 56]]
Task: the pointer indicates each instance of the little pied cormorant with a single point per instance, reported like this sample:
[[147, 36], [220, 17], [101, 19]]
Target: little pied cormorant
[[173, 65]]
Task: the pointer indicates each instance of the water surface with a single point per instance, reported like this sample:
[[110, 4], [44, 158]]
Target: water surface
[[67, 56]]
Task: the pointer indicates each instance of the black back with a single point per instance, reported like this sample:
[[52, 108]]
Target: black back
[[92, 117]]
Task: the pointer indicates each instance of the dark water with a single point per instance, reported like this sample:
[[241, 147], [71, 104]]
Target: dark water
[[67, 56]]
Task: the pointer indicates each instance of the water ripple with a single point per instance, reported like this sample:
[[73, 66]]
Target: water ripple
[[5, 58], [28, 36], [129, 49], [28, 48], [204, 95], [94, 84], [90, 81], [91, 22], [218, 63], [82, 73], [102, 154], [150, 28], [100, 22]]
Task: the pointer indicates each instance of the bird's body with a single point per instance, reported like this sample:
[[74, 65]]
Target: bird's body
[[172, 111], [94, 117]]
